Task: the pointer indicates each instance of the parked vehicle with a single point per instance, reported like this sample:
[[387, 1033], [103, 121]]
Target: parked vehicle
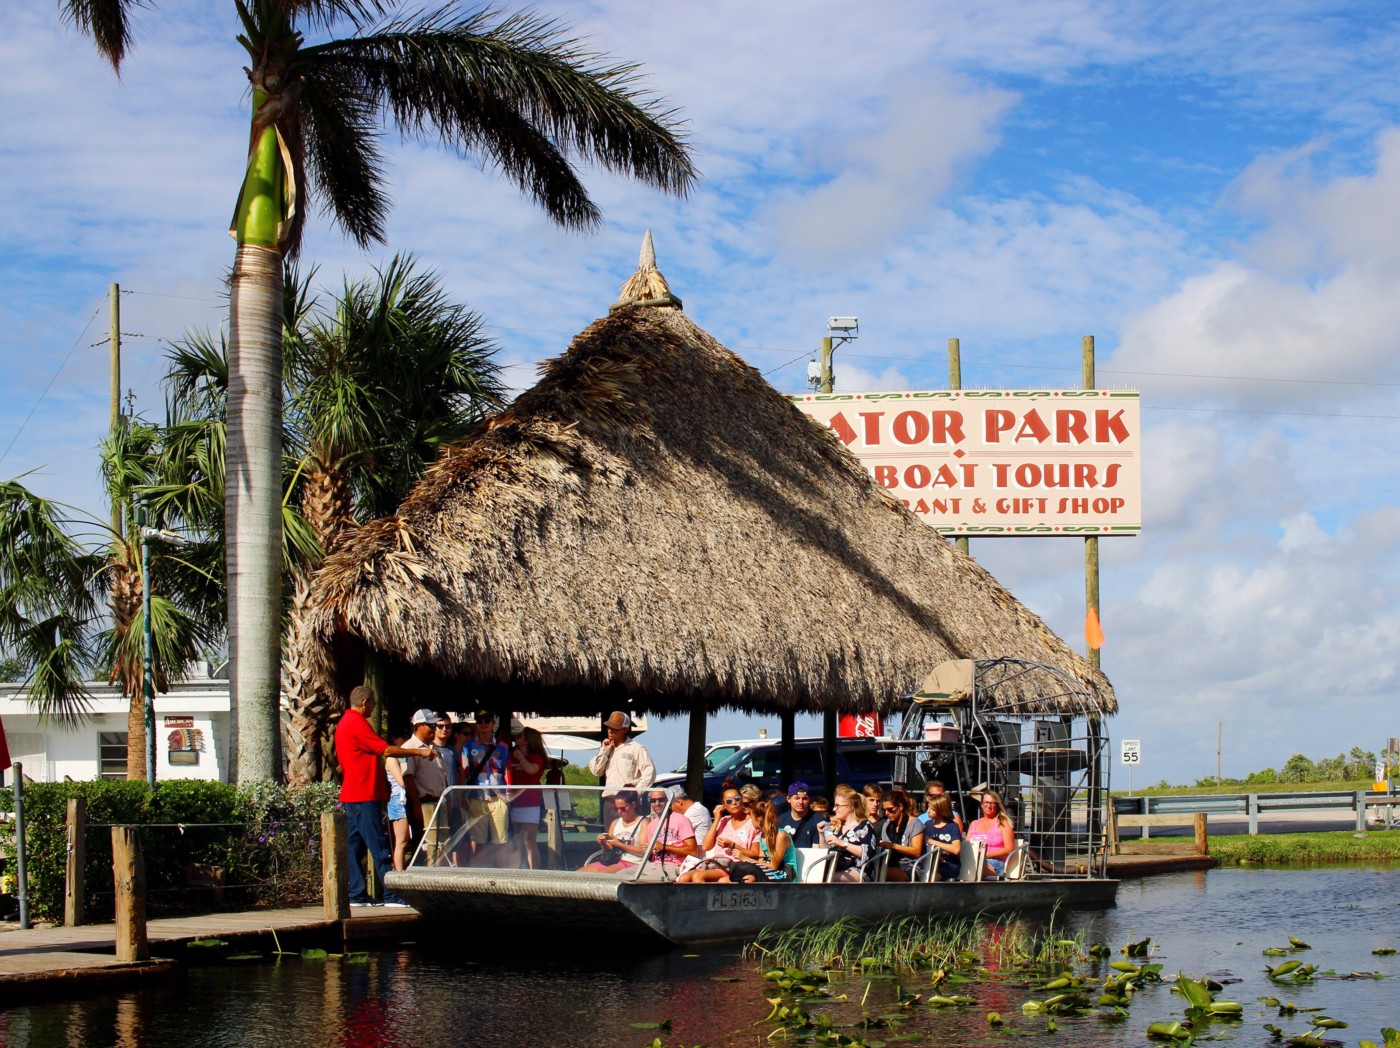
[[859, 762], [718, 752]]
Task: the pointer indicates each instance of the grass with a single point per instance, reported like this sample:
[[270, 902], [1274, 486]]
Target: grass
[[1345, 846], [922, 942]]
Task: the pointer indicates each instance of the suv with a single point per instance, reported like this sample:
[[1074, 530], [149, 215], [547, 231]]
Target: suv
[[859, 762]]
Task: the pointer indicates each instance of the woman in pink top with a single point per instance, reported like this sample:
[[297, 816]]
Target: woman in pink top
[[996, 830], [733, 835]]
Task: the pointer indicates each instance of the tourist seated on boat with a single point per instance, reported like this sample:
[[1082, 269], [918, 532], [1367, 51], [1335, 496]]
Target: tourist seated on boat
[[821, 806], [901, 834], [777, 859], [624, 842], [733, 835], [996, 830], [874, 812], [697, 813], [935, 788], [848, 834], [941, 834], [676, 841], [799, 821]]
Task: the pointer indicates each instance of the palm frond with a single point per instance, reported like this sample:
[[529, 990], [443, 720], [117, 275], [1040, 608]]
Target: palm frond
[[513, 90], [108, 22], [344, 163]]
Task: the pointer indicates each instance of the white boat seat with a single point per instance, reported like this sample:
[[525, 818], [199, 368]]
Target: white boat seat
[[815, 865], [926, 866], [1017, 862], [873, 868], [974, 859]]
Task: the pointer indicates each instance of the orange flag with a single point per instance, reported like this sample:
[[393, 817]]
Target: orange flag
[[1093, 632]]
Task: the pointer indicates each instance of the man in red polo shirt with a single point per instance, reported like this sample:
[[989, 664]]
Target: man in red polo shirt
[[363, 791]]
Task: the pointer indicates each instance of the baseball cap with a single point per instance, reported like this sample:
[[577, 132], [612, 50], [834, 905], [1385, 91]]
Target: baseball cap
[[424, 717], [483, 716], [796, 788]]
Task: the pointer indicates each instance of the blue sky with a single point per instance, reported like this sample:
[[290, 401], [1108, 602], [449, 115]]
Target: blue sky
[[1212, 191]]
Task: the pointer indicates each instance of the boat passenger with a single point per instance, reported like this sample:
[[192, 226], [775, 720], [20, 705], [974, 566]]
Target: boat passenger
[[676, 842], [942, 833], [800, 822], [996, 829], [698, 814], [848, 834], [935, 788], [526, 767], [902, 834], [625, 842], [821, 807], [731, 837], [874, 796], [777, 859]]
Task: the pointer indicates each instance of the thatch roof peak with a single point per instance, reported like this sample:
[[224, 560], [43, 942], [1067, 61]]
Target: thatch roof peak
[[653, 521], [646, 287]]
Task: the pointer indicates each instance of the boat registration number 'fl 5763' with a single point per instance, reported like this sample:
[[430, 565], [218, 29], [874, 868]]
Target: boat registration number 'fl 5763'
[[743, 898]]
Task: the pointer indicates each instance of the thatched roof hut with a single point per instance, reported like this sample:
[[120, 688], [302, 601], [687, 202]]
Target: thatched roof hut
[[653, 521]]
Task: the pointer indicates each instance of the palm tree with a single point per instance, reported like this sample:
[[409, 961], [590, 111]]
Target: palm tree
[[515, 90], [373, 387], [68, 606]]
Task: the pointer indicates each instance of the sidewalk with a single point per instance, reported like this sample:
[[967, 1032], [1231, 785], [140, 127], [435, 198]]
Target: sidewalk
[[57, 959]]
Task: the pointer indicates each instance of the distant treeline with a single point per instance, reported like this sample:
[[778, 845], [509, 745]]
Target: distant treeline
[[1357, 765]]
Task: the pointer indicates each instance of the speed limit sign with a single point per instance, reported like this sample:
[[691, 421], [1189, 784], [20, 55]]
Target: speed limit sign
[[1132, 751]]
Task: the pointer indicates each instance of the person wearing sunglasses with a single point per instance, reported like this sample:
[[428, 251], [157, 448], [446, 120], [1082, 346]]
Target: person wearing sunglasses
[[732, 835], [902, 834]]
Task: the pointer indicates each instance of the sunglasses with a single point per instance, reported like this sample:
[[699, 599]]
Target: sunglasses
[[658, 800], [891, 810], [733, 800]]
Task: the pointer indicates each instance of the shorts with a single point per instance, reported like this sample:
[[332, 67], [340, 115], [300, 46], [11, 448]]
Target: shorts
[[397, 810], [488, 819], [530, 813], [998, 866]]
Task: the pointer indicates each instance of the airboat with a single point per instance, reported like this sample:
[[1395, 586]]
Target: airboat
[[1026, 730]]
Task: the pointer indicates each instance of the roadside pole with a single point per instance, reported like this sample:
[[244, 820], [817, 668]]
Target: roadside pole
[[21, 872]]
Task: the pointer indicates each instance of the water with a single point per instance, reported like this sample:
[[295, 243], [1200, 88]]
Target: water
[[498, 990]]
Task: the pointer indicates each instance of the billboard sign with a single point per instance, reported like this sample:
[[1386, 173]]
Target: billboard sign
[[998, 462]]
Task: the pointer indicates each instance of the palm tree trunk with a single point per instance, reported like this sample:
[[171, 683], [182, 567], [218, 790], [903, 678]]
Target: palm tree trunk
[[253, 510], [307, 683]]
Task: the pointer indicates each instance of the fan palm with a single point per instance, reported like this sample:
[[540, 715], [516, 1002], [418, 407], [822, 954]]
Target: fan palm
[[373, 386], [511, 89]]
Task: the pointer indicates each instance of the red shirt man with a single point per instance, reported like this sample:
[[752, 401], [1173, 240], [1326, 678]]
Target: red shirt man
[[363, 791]]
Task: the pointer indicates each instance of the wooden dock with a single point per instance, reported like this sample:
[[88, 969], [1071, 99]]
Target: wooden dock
[[60, 961]]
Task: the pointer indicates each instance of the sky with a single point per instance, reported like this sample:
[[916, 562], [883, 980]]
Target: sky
[[1210, 190]]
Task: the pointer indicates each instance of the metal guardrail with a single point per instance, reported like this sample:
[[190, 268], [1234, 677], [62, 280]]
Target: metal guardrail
[[1251, 804]]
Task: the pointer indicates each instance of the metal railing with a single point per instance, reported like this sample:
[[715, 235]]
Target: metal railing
[[1251, 805]]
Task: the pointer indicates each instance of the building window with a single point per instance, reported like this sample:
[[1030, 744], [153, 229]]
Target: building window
[[111, 754]]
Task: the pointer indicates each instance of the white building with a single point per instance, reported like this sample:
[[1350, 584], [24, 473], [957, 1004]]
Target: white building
[[192, 733]]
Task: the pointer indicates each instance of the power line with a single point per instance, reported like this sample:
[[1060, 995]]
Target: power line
[[81, 335]]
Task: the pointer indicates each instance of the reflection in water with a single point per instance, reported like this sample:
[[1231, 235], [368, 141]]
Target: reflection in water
[[496, 991]]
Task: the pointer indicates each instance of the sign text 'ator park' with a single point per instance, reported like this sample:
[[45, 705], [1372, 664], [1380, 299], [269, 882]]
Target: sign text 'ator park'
[[999, 462]]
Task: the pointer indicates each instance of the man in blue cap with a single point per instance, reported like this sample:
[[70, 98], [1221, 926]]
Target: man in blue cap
[[799, 823]]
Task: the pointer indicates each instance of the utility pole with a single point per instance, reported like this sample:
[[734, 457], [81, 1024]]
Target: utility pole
[[828, 377], [1219, 740], [114, 346], [955, 382]]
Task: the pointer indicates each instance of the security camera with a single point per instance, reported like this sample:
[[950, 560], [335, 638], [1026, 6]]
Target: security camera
[[842, 324]]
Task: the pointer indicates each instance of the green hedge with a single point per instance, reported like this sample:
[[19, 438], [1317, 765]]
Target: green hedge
[[267, 843]]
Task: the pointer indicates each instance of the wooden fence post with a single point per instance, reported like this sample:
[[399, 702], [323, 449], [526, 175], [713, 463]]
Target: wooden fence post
[[335, 867], [129, 877], [75, 866], [1202, 848]]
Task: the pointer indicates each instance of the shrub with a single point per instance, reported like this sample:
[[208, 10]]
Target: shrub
[[265, 840]]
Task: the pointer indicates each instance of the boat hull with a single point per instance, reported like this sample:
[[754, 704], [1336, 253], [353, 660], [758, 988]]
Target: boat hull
[[598, 907]]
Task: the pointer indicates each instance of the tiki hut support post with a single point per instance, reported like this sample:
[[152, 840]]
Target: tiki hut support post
[[829, 753], [695, 751], [375, 678], [789, 749]]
